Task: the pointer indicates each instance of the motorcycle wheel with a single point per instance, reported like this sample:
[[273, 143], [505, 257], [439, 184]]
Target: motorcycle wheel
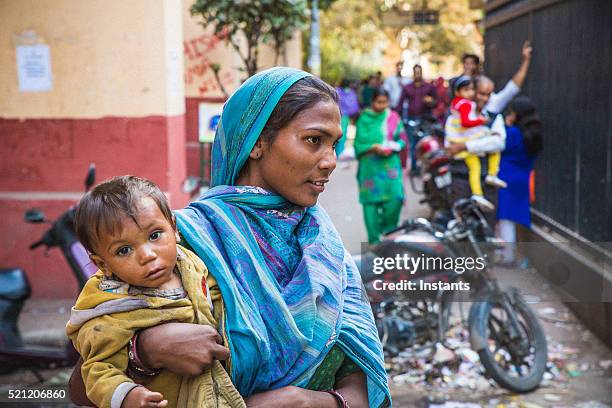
[[518, 368]]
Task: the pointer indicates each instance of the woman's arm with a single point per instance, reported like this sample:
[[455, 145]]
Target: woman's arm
[[76, 387], [397, 135], [292, 396], [183, 348], [354, 389]]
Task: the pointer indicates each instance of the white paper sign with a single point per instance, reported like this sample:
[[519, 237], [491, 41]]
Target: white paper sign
[[209, 114], [34, 68]]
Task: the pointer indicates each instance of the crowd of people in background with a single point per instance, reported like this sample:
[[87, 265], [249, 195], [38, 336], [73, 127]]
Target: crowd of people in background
[[492, 153]]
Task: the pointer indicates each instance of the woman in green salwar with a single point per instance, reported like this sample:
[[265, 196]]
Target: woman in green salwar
[[377, 145]]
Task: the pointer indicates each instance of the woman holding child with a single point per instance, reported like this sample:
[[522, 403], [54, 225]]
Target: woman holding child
[[299, 329]]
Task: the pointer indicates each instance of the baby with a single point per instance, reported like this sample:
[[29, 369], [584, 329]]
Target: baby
[[462, 125], [145, 278]]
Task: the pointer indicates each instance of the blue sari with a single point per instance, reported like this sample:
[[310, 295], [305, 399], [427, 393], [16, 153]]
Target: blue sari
[[290, 288]]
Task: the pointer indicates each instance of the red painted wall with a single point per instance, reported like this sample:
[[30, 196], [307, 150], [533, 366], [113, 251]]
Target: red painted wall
[[51, 156]]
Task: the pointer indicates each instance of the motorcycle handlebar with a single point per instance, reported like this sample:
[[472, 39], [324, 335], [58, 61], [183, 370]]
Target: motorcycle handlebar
[[36, 244], [408, 224]]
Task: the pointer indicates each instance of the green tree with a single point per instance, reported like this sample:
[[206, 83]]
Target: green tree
[[455, 34], [258, 20], [352, 40]]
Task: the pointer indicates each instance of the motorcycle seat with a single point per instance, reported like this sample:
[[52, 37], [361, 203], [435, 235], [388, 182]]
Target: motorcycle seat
[[13, 284]]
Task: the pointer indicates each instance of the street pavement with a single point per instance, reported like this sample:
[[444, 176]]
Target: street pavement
[[582, 372]]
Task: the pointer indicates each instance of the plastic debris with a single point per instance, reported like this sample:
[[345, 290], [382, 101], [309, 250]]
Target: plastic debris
[[552, 398], [443, 354], [523, 404], [455, 370], [605, 364], [592, 404], [469, 355]]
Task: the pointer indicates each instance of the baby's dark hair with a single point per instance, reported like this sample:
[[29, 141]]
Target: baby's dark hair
[[102, 208]]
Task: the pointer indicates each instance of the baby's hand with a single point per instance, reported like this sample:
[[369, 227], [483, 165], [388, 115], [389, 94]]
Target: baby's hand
[[141, 397]]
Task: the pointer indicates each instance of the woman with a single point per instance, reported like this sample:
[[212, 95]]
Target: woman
[[378, 143], [349, 110], [523, 143], [299, 328]]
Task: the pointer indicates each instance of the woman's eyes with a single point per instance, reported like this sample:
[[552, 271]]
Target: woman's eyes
[[314, 139], [155, 235], [123, 251]]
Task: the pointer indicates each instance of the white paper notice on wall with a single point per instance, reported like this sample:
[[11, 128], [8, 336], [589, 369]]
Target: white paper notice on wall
[[34, 68]]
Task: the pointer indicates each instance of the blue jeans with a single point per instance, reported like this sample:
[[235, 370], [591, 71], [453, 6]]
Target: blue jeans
[[412, 138]]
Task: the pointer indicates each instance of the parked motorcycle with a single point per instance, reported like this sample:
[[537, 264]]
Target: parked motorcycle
[[15, 290], [435, 184], [502, 328], [435, 175]]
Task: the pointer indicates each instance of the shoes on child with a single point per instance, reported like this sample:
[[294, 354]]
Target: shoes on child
[[495, 181], [483, 202]]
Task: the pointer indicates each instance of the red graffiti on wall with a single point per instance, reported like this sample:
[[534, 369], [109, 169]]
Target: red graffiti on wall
[[198, 66]]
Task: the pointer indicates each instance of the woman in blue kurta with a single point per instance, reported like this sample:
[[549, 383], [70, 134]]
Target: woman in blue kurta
[[295, 312], [523, 143], [299, 327]]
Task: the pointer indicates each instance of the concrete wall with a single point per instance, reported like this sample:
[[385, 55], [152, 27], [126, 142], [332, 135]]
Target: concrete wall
[[117, 100]]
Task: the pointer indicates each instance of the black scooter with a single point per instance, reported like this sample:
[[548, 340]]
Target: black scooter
[[15, 290]]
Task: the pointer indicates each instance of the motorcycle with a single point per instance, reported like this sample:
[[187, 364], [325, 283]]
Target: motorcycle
[[502, 328], [15, 291], [434, 173], [436, 176]]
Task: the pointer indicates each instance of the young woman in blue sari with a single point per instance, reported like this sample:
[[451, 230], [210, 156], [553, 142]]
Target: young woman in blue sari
[[298, 326]]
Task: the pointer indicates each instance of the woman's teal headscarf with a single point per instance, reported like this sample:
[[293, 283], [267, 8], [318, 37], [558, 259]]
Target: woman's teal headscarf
[[291, 290], [244, 116]]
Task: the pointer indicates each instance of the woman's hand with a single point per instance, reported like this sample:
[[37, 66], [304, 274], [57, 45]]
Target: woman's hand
[[381, 150], [294, 397], [428, 100], [183, 348]]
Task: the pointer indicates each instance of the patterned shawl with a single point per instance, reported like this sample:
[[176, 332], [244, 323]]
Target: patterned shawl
[[290, 288]]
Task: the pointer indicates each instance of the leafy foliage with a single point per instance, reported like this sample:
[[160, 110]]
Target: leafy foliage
[[455, 34], [352, 40], [271, 21]]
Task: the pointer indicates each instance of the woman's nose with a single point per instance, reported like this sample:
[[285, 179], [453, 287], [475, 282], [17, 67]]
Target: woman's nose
[[328, 161]]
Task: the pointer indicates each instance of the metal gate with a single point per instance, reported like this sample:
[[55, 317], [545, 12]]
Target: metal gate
[[570, 81]]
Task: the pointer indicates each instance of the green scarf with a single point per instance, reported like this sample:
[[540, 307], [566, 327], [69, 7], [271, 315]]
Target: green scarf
[[371, 130]]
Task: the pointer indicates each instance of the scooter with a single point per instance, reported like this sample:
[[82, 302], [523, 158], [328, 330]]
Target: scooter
[[15, 290]]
